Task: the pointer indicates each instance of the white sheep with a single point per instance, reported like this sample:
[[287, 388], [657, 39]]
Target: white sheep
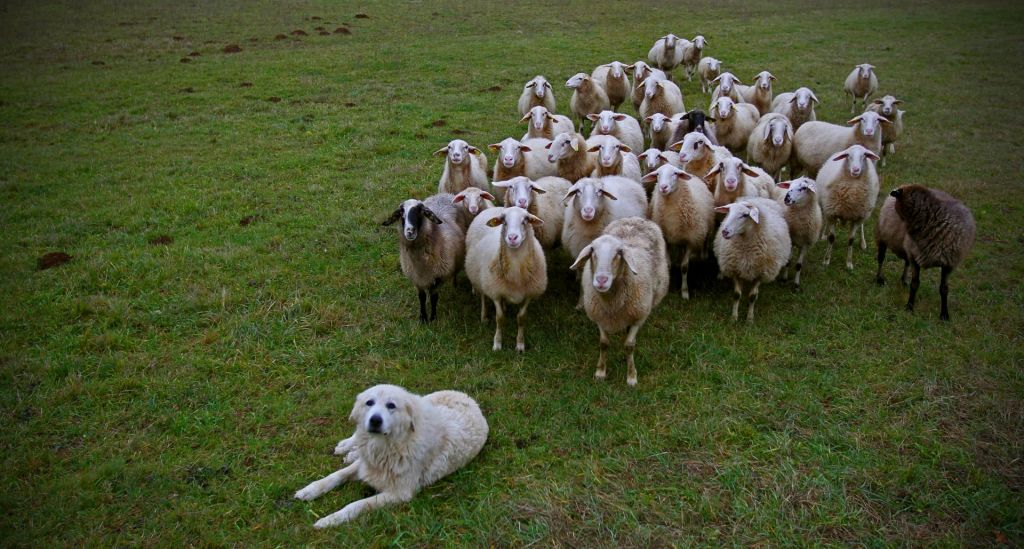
[[731, 179], [464, 166], [759, 94], [698, 155], [709, 68], [506, 265], [612, 77], [542, 198], [752, 247], [816, 141], [771, 143], [848, 190], [622, 126], [614, 158], [887, 107], [521, 158], [593, 203], [641, 72], [431, 245], [803, 217], [473, 201], [661, 96], [667, 52], [537, 92], [661, 128], [727, 87], [734, 122], [625, 276], [797, 106], [692, 52], [861, 83], [588, 97], [567, 152], [652, 159], [544, 125], [684, 209]]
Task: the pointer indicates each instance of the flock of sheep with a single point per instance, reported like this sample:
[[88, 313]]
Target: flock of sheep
[[621, 213]]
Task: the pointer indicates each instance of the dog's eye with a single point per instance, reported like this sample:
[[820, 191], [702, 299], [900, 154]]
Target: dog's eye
[[369, 403], [391, 406]]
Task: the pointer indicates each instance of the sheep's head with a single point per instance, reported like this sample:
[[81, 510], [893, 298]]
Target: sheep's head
[[856, 158], [887, 105], [412, 212], [693, 147], [693, 121], [763, 80], [909, 198], [457, 151], [726, 81], [869, 122], [739, 216], [652, 86], [640, 71], [608, 258], [577, 80], [538, 117], [798, 190], [516, 226], [539, 85], [610, 152], [473, 199], [699, 42], [651, 159], [563, 145], [723, 107], [511, 151], [606, 121], [589, 194], [670, 41], [616, 69], [519, 191], [667, 178], [777, 130], [732, 171], [802, 99], [864, 71], [657, 121]]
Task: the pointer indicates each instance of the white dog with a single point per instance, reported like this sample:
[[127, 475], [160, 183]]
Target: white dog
[[402, 443]]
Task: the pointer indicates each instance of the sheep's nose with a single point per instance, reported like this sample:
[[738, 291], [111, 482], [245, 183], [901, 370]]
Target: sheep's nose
[[588, 213], [730, 181], [521, 203], [513, 239], [602, 280], [375, 422], [777, 141], [855, 172], [664, 188], [473, 210]]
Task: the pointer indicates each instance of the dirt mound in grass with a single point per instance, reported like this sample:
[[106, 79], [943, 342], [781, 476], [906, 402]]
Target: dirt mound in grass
[[439, 123], [232, 48], [494, 88], [274, 99], [342, 30], [51, 260], [299, 32], [280, 37], [245, 85], [162, 240], [362, 16], [249, 220], [194, 54], [186, 60]]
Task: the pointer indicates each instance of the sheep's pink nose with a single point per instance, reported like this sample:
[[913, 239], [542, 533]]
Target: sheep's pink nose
[[521, 203], [664, 188], [730, 181], [512, 238], [602, 280], [473, 210], [855, 171]]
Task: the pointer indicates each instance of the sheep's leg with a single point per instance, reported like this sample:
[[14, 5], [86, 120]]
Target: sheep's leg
[[423, 304], [433, 300], [737, 294], [684, 268], [863, 241], [784, 275], [903, 277], [521, 324], [751, 299], [499, 316], [830, 230], [891, 148], [799, 266], [630, 346], [944, 291], [849, 245], [602, 370], [483, 308], [915, 283], [879, 279]]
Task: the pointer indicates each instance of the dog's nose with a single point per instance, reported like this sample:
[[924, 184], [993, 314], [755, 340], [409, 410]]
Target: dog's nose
[[375, 422]]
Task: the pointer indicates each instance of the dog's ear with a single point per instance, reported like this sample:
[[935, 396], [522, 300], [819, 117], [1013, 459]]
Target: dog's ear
[[409, 412], [353, 416]]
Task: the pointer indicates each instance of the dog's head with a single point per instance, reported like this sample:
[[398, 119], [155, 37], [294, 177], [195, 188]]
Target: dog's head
[[385, 410]]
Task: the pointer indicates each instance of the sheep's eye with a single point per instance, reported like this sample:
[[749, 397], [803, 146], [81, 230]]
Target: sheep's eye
[[391, 406], [695, 145], [369, 403]]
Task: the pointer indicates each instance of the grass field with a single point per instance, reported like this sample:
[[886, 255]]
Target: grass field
[[230, 289]]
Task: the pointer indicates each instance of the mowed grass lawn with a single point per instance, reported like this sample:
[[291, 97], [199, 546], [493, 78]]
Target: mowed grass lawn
[[230, 289]]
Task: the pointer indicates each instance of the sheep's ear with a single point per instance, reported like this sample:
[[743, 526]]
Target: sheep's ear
[[495, 221], [547, 84], [649, 178], [714, 171], [474, 151], [814, 98], [627, 258], [877, 102], [855, 119], [810, 186], [630, 67], [524, 148], [772, 76], [459, 198], [619, 117], [839, 157], [722, 209], [793, 99], [530, 84], [585, 254], [534, 220], [783, 184], [767, 132], [717, 78], [897, 102], [789, 131], [525, 117], [503, 184], [625, 148], [594, 149], [884, 119], [442, 151], [710, 119], [896, 193], [593, 117], [683, 175], [649, 119], [487, 196], [575, 145], [755, 215], [676, 146], [431, 216], [395, 215], [608, 194], [537, 189], [573, 191], [748, 171], [494, 147], [548, 146], [871, 155]]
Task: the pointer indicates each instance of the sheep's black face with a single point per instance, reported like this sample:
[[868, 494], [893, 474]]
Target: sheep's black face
[[411, 225]]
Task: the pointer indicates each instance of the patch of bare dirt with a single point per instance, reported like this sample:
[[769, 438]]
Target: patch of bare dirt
[[362, 16], [98, 62], [194, 54], [51, 260], [280, 37], [274, 99], [440, 123], [299, 32], [186, 60], [249, 220], [342, 30], [245, 85], [162, 240], [232, 48], [494, 88]]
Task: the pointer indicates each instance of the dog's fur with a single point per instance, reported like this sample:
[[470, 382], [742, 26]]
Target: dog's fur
[[417, 440]]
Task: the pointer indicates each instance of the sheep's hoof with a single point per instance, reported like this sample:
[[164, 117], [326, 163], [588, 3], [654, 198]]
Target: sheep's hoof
[[600, 375], [497, 346], [631, 381], [521, 347], [735, 317], [880, 280], [826, 262], [909, 308], [423, 320], [849, 266], [685, 295], [944, 316], [798, 289]]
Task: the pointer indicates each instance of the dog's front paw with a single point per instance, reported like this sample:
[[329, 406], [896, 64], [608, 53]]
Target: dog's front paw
[[343, 447], [309, 493], [334, 519]]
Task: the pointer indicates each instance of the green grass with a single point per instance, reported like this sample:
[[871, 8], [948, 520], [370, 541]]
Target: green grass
[[179, 394]]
